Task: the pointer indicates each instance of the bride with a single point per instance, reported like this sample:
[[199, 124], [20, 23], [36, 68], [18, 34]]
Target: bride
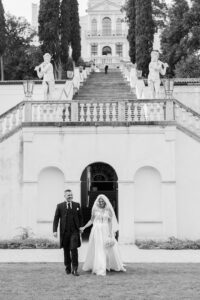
[[103, 251]]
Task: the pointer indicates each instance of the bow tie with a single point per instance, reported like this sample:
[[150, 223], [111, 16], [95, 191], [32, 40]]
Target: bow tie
[[69, 205]]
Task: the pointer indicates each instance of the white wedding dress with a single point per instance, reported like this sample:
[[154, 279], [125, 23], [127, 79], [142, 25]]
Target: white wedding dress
[[100, 258]]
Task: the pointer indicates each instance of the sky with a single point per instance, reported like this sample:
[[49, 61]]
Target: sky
[[23, 7]]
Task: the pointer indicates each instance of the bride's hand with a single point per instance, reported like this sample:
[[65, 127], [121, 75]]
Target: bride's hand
[[81, 229]]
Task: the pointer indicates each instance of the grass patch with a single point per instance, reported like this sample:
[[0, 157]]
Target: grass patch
[[140, 282], [170, 244]]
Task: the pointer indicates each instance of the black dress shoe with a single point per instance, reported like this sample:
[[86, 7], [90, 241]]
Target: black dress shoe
[[68, 272], [75, 273]]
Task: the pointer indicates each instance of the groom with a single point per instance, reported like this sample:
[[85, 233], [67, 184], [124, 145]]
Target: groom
[[70, 217]]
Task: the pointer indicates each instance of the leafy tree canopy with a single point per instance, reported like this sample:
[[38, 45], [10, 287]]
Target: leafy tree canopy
[[20, 56]]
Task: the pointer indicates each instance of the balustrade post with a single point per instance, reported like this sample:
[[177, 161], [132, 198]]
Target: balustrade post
[[122, 111], [28, 112], [169, 110], [74, 111]]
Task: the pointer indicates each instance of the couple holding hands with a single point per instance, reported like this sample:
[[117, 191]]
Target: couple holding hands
[[103, 250]]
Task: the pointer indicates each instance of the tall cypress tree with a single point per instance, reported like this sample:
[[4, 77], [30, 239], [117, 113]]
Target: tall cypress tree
[[58, 28], [131, 18], [75, 30], [2, 37], [49, 28], [145, 29], [65, 31], [174, 37]]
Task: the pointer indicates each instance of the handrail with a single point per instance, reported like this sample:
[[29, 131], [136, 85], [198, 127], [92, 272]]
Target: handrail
[[188, 109], [12, 109]]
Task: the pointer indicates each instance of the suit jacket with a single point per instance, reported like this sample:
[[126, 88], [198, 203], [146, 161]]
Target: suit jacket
[[61, 215]]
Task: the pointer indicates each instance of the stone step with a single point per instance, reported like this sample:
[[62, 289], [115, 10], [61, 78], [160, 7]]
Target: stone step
[[105, 87], [104, 95]]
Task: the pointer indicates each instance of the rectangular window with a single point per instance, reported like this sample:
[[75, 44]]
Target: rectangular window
[[119, 49], [94, 49]]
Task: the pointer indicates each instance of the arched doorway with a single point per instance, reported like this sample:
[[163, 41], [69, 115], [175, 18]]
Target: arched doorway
[[106, 50], [97, 178]]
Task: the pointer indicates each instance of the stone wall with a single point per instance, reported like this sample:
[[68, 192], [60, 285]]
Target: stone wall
[[11, 174], [68, 151]]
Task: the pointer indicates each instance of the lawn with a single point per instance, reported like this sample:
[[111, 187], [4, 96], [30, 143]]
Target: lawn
[[140, 282]]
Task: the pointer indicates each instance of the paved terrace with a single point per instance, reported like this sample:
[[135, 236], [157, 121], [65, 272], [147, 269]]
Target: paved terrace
[[130, 254]]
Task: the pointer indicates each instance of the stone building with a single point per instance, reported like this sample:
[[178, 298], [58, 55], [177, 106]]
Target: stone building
[[144, 154], [104, 33]]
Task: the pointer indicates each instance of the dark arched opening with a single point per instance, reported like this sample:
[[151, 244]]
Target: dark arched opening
[[106, 50], [97, 178]]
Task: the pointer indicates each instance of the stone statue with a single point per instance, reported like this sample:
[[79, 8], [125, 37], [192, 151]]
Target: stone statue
[[45, 71], [156, 67]]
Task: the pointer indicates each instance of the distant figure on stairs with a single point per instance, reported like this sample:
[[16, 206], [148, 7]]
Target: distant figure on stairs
[[106, 69]]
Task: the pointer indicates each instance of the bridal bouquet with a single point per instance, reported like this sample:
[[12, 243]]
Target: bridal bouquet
[[109, 242]]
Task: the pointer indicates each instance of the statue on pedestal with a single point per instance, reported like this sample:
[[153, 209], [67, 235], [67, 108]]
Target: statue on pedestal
[[45, 71], [156, 67]]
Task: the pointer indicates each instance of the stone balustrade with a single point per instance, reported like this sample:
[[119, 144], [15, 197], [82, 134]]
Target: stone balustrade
[[12, 119], [112, 33], [99, 113], [187, 118], [81, 112], [106, 59]]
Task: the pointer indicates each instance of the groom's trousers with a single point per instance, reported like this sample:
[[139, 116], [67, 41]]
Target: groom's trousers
[[70, 255]]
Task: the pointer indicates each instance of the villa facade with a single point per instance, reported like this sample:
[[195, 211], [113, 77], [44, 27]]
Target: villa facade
[[104, 33]]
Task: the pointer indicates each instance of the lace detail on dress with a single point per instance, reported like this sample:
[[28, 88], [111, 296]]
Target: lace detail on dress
[[101, 216]]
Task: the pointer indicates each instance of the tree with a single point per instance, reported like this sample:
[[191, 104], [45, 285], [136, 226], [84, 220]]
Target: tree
[[188, 67], [2, 37], [144, 31], [75, 30], [174, 37], [49, 29], [20, 57], [131, 18], [65, 23], [58, 29], [159, 12], [192, 23]]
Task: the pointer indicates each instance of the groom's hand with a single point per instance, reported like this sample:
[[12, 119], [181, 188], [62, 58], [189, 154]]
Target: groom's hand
[[55, 234]]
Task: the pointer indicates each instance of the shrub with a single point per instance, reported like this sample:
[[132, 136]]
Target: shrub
[[171, 244], [24, 233], [30, 243], [188, 67]]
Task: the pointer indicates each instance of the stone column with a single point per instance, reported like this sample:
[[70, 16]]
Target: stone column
[[99, 24], [113, 24], [126, 212]]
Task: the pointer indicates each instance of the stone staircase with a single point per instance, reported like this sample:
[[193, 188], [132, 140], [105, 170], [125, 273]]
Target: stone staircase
[[105, 87], [104, 98]]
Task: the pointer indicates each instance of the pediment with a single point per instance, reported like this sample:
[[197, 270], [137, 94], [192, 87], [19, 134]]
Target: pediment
[[105, 5]]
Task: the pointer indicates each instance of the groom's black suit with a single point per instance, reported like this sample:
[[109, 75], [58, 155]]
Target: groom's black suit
[[70, 221]]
